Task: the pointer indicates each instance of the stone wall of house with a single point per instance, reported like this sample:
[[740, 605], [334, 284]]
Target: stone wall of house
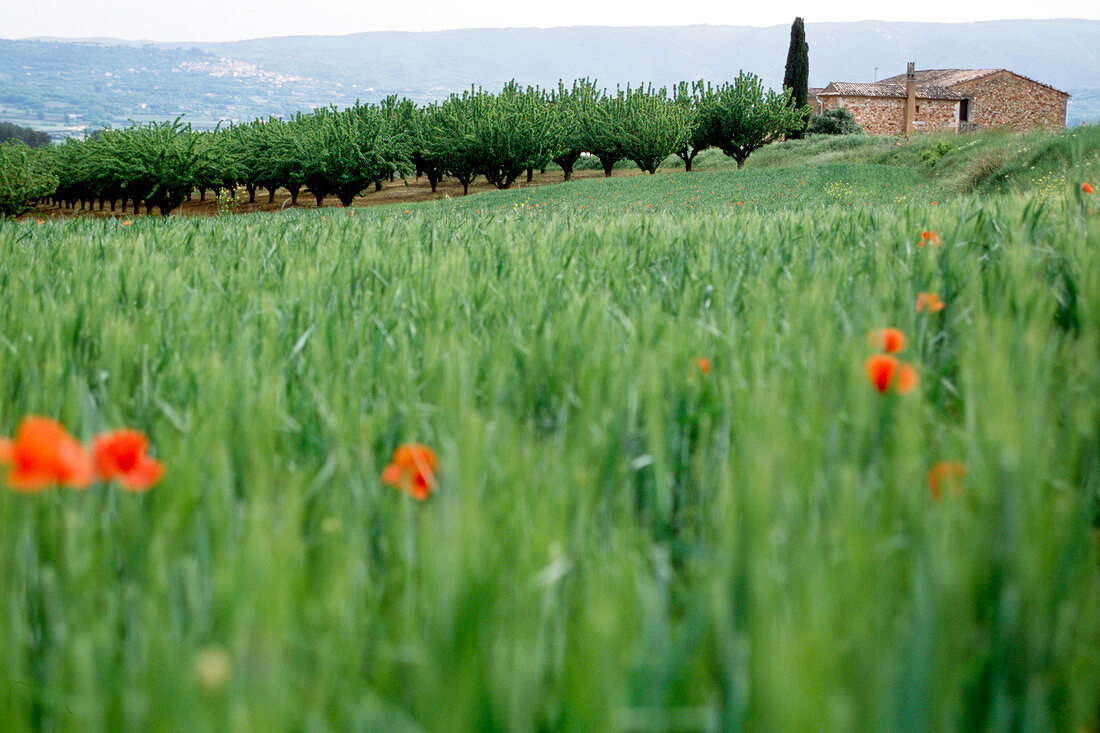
[[886, 116], [1006, 100], [936, 115]]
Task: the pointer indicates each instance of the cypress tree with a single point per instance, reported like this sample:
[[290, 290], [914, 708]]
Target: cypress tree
[[796, 77]]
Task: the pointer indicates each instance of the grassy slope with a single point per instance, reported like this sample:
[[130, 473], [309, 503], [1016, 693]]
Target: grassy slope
[[617, 541]]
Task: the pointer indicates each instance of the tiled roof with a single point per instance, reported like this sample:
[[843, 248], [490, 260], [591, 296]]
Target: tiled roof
[[886, 90], [944, 77], [951, 77]]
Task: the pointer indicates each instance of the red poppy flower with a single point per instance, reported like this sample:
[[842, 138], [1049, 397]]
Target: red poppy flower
[[945, 473], [120, 456], [1086, 187], [929, 238], [412, 470], [885, 372], [704, 365], [890, 340], [43, 454], [930, 302]]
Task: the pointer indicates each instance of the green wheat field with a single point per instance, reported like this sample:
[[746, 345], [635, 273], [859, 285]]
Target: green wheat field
[[619, 539]]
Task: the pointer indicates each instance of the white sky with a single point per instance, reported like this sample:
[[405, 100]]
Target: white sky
[[227, 20]]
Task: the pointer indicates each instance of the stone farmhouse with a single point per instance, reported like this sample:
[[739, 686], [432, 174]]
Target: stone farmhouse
[[946, 100]]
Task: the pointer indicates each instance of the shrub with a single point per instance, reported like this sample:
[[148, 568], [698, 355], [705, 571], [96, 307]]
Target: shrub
[[834, 122]]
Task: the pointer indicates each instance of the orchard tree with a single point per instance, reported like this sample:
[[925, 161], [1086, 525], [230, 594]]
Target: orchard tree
[[796, 76], [344, 151], [450, 136], [744, 117], [650, 126], [568, 108], [433, 165], [25, 176], [155, 163], [600, 131], [696, 98], [514, 132]]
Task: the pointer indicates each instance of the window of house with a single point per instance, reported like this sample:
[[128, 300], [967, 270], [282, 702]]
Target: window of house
[[918, 108]]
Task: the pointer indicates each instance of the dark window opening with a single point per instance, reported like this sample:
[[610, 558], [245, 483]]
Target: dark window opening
[[964, 111], [918, 108]]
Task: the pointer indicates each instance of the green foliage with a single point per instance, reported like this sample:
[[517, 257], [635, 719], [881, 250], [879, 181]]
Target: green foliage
[[513, 131], [796, 75], [743, 117], [696, 100], [157, 162], [24, 177], [449, 139], [833, 122], [344, 151], [649, 126], [30, 137], [569, 108], [599, 129]]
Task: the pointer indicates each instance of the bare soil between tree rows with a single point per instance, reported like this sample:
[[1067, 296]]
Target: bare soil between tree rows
[[399, 191]]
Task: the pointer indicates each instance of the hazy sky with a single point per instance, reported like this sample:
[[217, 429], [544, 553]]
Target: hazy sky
[[224, 20]]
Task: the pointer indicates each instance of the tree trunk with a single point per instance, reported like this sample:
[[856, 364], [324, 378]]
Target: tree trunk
[[568, 172], [149, 207], [607, 168], [202, 193], [433, 182], [320, 199], [741, 162], [113, 202], [251, 192], [101, 203], [271, 194], [542, 171], [392, 174], [188, 196], [378, 185], [465, 188], [530, 174], [123, 206], [687, 163], [294, 188]]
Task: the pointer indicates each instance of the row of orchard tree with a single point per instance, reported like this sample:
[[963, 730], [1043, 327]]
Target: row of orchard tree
[[341, 153]]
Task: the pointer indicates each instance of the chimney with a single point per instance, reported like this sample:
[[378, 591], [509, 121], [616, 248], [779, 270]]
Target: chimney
[[910, 97]]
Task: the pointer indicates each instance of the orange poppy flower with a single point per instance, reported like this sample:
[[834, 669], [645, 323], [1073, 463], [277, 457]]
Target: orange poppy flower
[[930, 302], [929, 238], [120, 456], [1086, 187], [126, 223], [945, 473], [704, 365], [412, 470], [885, 371], [890, 340], [44, 454]]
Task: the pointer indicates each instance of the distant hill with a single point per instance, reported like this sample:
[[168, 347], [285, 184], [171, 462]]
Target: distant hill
[[59, 85]]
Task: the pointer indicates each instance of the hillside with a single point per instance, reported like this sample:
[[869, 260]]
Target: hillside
[[62, 84]]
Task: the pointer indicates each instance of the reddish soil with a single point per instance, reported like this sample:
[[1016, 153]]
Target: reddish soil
[[399, 191]]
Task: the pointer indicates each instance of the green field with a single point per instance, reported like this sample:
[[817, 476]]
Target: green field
[[617, 541]]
